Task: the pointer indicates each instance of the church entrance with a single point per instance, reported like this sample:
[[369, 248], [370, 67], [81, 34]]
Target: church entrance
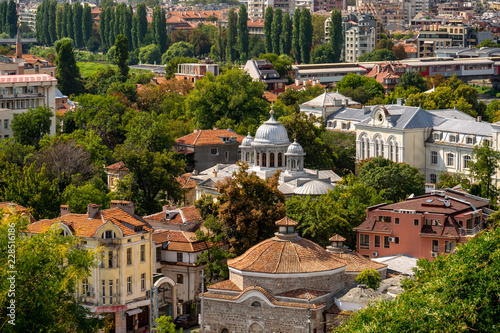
[[255, 328]]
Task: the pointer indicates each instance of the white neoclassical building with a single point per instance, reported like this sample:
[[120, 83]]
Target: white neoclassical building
[[433, 141], [271, 151]]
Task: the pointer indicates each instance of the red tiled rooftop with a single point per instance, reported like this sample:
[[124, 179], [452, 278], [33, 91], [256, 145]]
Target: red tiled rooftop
[[26, 78], [337, 238], [117, 166], [225, 285], [358, 263], [182, 241], [208, 137], [302, 293], [286, 221]]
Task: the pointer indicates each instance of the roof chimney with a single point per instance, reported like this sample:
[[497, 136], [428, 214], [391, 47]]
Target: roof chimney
[[92, 209], [127, 206], [64, 210]]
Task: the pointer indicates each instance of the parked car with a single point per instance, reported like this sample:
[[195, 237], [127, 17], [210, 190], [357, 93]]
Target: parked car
[[185, 321]]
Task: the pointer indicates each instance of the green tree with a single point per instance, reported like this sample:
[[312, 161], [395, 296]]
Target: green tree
[[413, 79], [176, 50], [12, 18], [280, 63], [110, 26], [483, 168], [150, 54], [336, 35], [31, 189], [487, 43], [142, 23], [318, 23], [49, 269], [377, 55], [159, 29], [268, 23], [173, 63], [200, 42], [165, 325], [249, 207], [370, 277], [87, 22], [233, 95], [29, 127], [77, 24], [399, 52], [78, 197], [322, 54], [454, 293], [276, 30], [296, 36], [344, 146], [305, 36], [399, 180], [355, 86], [69, 21], [103, 30], [449, 180], [231, 36], [243, 33], [286, 35], [384, 43], [67, 73], [121, 56]]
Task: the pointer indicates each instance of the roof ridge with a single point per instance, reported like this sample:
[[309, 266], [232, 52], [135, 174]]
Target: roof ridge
[[279, 260]]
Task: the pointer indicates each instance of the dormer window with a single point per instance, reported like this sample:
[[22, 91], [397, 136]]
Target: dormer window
[[453, 138], [108, 234], [286, 226], [436, 136], [469, 140]]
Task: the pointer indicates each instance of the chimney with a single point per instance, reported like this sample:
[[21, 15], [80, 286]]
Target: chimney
[[297, 82], [92, 209], [195, 172], [127, 206], [479, 119], [19, 45], [400, 102], [64, 210]]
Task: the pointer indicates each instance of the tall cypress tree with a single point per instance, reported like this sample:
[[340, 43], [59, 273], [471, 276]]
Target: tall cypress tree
[[117, 26], [243, 33], [66, 10], [121, 56], [336, 35], [69, 22], [52, 21], [142, 23], [231, 36], [102, 30], [155, 25], [135, 23], [67, 73], [38, 21], [87, 23], [77, 24], [276, 30], [286, 35], [3, 11], [296, 35], [110, 21], [45, 13], [164, 41], [128, 27], [12, 17], [305, 36], [59, 22], [268, 23]]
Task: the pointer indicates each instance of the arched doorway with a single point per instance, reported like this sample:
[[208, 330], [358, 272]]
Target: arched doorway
[[255, 328]]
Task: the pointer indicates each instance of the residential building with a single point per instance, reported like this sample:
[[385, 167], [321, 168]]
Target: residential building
[[119, 286], [174, 218], [9, 208], [326, 104], [206, 148], [325, 73], [115, 172], [263, 71], [195, 72], [28, 17], [176, 256], [388, 74], [386, 11], [256, 27], [18, 93], [257, 8], [271, 151], [422, 227], [285, 277]]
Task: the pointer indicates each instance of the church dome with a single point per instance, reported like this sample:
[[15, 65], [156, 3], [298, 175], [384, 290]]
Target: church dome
[[286, 254], [295, 149], [271, 132], [314, 187], [247, 141]]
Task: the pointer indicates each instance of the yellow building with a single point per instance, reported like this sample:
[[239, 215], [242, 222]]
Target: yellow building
[[120, 285]]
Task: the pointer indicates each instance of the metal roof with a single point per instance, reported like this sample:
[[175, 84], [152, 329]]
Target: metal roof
[[467, 127]]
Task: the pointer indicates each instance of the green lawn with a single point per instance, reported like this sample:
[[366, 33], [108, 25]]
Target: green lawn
[[88, 69]]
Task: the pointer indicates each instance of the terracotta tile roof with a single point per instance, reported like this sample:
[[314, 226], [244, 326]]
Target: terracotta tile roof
[[266, 294], [270, 97], [302, 293], [86, 227], [337, 238], [186, 182], [181, 241], [183, 215], [286, 221], [117, 166], [225, 285], [286, 255], [255, 23], [26, 78], [424, 204], [386, 70], [358, 263], [13, 206], [370, 224], [208, 137]]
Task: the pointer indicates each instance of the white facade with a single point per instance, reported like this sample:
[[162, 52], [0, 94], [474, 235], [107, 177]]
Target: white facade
[[358, 41], [18, 93], [433, 141], [257, 8]]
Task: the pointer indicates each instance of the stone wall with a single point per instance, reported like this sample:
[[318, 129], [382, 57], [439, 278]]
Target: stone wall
[[204, 159], [238, 317]]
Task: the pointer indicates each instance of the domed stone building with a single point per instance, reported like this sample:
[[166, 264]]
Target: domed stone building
[[270, 151], [283, 284]]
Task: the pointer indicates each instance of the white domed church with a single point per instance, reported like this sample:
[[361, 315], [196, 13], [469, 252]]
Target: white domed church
[[270, 151]]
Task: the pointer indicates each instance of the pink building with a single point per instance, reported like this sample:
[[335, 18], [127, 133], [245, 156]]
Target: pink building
[[422, 227]]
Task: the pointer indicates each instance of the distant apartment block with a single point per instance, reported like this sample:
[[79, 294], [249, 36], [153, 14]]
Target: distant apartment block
[[195, 72], [257, 8], [263, 71]]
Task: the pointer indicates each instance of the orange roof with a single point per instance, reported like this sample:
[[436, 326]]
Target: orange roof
[[337, 238], [270, 97], [182, 241], [286, 221], [186, 182], [286, 255], [83, 226], [208, 137], [183, 215], [225, 285], [117, 166], [358, 263], [303, 293], [9, 207], [255, 23]]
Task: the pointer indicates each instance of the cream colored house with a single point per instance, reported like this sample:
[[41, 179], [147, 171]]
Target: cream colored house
[[119, 287], [433, 141]]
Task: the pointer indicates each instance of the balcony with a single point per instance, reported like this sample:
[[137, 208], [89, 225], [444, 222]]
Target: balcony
[[23, 95], [109, 242], [464, 232]]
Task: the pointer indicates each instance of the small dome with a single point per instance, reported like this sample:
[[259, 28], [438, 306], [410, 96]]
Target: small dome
[[314, 187], [247, 141], [295, 149], [271, 132]]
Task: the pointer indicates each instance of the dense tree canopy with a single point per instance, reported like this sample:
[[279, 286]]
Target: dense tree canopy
[[377, 55], [29, 127], [67, 73], [413, 79]]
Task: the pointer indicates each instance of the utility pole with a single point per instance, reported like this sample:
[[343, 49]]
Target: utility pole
[[308, 315], [202, 325]]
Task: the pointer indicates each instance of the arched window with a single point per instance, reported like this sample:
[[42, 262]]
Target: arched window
[[271, 160], [264, 159], [247, 157], [450, 159], [258, 159], [224, 330], [434, 157], [293, 164], [256, 304], [394, 150], [280, 159], [433, 178], [379, 147], [466, 161], [365, 147], [108, 234]]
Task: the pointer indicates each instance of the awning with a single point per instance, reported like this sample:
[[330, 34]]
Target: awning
[[115, 308], [133, 312]]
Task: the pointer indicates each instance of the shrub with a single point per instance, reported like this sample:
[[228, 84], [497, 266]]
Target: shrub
[[370, 277]]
